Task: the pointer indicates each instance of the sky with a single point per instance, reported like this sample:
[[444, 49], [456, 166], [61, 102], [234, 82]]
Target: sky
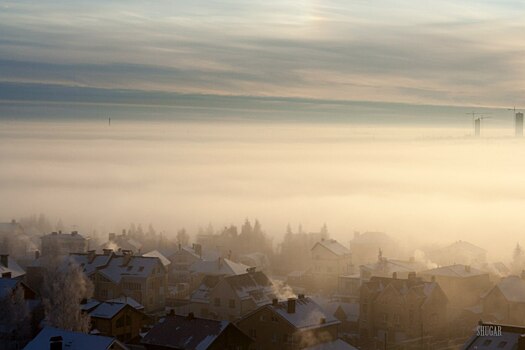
[[349, 113], [439, 53]]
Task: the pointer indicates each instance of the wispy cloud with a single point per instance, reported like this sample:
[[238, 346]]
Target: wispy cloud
[[438, 52]]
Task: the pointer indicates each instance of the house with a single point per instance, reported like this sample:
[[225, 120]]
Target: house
[[346, 313], [218, 267], [295, 254], [291, 324], [192, 333], [395, 310], [117, 319], [141, 278], [505, 302], [348, 287], [122, 242], [9, 268], [330, 259], [494, 336], [14, 240], [365, 246], [459, 252], [463, 285], [230, 297], [20, 312], [385, 267], [62, 244], [58, 339], [258, 260]]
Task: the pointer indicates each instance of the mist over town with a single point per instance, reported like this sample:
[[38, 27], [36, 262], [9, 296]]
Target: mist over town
[[287, 175]]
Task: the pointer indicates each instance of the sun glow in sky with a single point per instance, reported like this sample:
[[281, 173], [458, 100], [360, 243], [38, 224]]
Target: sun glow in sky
[[422, 52]]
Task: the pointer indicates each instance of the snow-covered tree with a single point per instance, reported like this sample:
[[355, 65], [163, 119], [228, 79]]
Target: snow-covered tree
[[65, 286]]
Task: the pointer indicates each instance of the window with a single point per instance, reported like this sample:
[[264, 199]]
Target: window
[[120, 322], [130, 267], [231, 303], [274, 318], [141, 268], [396, 319], [411, 316], [253, 333], [217, 302], [274, 338], [385, 317]]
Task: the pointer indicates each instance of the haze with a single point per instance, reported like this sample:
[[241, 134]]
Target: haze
[[432, 184]]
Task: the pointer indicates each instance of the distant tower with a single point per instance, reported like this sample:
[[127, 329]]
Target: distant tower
[[109, 121], [477, 127], [519, 124]]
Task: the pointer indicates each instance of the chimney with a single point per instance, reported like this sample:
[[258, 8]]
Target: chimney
[[394, 275], [467, 268], [123, 232], [107, 251], [37, 254], [13, 221], [126, 258], [198, 250], [411, 276], [250, 269], [6, 275], [74, 233], [83, 301], [323, 320], [55, 343], [521, 342], [191, 316], [180, 247], [300, 296], [291, 306], [4, 260], [91, 255], [172, 313], [433, 278], [356, 234], [59, 232], [275, 301], [523, 274], [219, 262], [111, 236]]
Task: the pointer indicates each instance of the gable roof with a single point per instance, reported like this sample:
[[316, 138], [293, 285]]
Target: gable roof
[[138, 266], [108, 310], [508, 339], [220, 266], [512, 288], [12, 267], [156, 254], [457, 270], [252, 285], [72, 340], [388, 266], [333, 246], [307, 315], [7, 285], [180, 332]]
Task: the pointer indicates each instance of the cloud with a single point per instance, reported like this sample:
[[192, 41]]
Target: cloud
[[444, 53]]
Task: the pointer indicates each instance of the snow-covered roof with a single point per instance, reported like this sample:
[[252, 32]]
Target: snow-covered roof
[[180, 332], [156, 254], [90, 266], [72, 340], [333, 246], [12, 267], [337, 344], [220, 266], [513, 288], [253, 285], [138, 266], [10, 227], [107, 310], [371, 237], [128, 300], [457, 270], [308, 314], [388, 266], [507, 340], [7, 285], [73, 236]]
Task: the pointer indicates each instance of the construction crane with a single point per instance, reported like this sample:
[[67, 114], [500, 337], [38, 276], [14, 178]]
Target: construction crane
[[518, 122], [476, 119]]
